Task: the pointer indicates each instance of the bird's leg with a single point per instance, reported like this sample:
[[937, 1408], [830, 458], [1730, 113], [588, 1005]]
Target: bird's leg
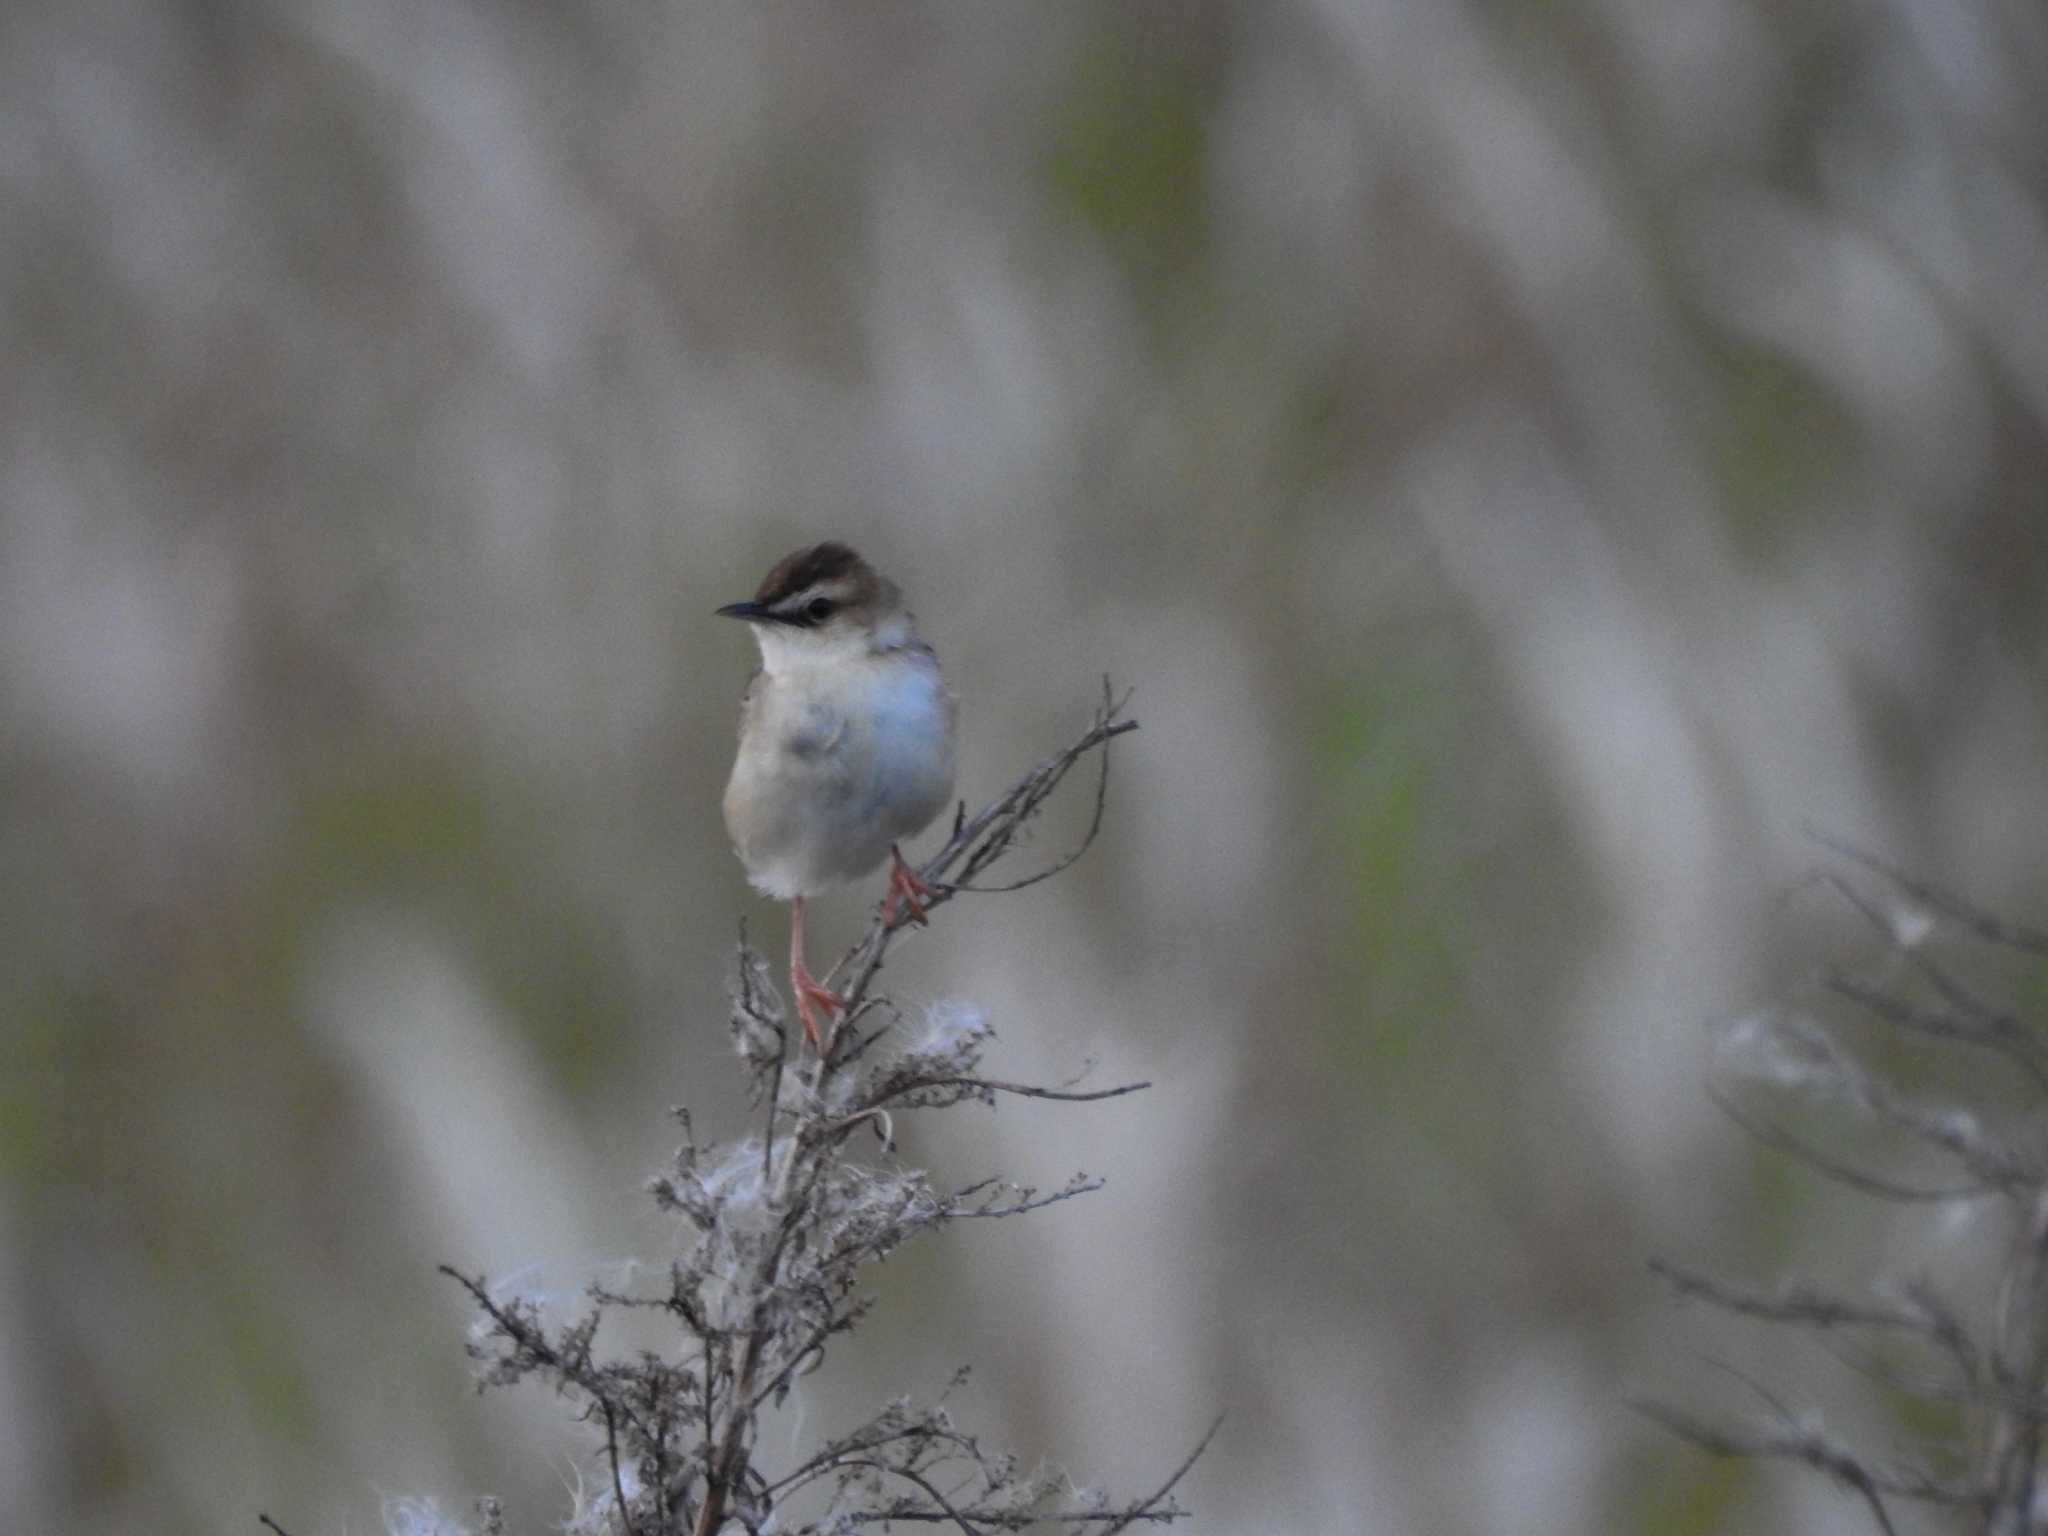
[[809, 991], [905, 886]]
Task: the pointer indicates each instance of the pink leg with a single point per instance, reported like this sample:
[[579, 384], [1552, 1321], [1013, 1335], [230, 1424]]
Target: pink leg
[[810, 993], [905, 887]]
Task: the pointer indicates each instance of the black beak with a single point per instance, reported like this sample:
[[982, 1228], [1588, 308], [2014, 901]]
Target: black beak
[[753, 613]]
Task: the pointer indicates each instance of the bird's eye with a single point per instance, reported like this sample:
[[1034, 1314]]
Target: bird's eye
[[818, 609]]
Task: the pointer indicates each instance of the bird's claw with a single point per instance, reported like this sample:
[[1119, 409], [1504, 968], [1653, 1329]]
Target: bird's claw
[[813, 994], [907, 888]]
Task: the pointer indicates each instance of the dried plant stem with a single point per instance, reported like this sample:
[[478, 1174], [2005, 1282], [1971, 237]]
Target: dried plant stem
[[1995, 1367], [775, 1237]]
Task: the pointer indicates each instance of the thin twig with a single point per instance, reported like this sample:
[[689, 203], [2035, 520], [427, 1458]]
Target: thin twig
[[1799, 1304], [1110, 706], [1027, 1200], [1951, 991], [1994, 1033], [2001, 1378], [1966, 1394], [1814, 1449], [781, 1054], [834, 1456], [266, 1520], [1778, 1139], [1022, 1090], [1113, 1521], [1138, 1511], [930, 1492], [1987, 926], [1763, 1394], [611, 1443], [1019, 1522]]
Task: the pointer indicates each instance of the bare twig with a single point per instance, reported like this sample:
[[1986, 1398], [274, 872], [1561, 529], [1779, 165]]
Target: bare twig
[[1985, 1030], [1027, 1199], [1779, 1139], [1148, 1510], [1996, 1370], [1762, 1393], [944, 1508], [1111, 707], [1916, 955], [1021, 1090], [1973, 919], [1799, 1304], [1166, 1488], [1815, 1450], [611, 1445], [1019, 1522]]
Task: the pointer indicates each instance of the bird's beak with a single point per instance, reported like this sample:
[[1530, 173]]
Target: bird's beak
[[753, 613]]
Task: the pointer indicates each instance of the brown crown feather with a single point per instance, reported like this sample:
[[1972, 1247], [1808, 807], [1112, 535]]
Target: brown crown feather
[[805, 568]]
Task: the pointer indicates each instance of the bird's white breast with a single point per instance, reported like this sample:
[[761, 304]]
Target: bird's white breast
[[840, 757]]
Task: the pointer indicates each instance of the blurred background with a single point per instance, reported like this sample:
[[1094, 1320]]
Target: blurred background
[[1530, 460]]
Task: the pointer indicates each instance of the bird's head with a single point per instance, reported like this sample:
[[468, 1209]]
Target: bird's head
[[820, 601]]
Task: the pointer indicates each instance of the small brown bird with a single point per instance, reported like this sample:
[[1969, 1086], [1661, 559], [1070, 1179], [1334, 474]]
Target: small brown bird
[[846, 743]]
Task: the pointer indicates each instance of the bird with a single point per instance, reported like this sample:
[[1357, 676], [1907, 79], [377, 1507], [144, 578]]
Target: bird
[[846, 745]]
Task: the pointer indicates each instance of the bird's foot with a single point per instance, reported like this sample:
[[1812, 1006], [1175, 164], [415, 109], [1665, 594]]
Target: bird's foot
[[812, 994], [907, 888]]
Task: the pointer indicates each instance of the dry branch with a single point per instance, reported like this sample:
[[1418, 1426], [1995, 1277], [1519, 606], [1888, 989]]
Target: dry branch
[[1996, 1367], [777, 1233]]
